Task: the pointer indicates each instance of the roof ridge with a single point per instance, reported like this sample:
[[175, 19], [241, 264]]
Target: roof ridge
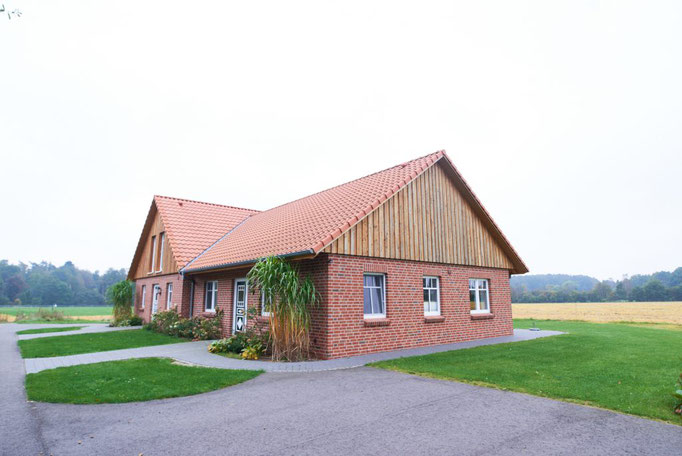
[[403, 164], [430, 160], [204, 202]]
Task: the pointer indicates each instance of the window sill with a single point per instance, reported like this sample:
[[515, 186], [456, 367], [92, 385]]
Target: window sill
[[482, 316], [434, 318], [208, 314], [370, 322]]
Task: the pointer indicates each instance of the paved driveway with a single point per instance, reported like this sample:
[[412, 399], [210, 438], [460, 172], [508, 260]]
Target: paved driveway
[[353, 411], [350, 411]]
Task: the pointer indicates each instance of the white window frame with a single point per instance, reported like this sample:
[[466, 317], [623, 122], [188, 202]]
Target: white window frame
[[383, 287], [169, 295], [477, 294], [144, 296], [151, 266], [431, 313], [264, 312], [162, 238], [214, 295]]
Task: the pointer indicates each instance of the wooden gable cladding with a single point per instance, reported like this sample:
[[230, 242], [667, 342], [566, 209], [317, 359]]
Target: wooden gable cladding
[[168, 265], [428, 220]]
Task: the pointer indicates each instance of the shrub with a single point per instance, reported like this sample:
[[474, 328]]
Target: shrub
[[250, 344], [208, 328], [41, 314], [291, 298], [133, 321], [196, 328], [120, 295], [165, 321]]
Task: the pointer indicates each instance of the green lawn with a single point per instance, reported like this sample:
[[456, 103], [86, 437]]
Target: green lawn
[[70, 321], [48, 330], [74, 311], [128, 381], [95, 342], [619, 367]]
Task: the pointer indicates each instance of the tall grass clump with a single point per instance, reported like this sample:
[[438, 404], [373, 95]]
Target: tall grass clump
[[290, 300], [120, 295]]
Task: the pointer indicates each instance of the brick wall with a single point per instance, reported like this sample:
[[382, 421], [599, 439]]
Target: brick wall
[[315, 269], [405, 326], [178, 298], [338, 325]]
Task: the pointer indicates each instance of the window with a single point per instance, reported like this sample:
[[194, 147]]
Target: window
[[265, 308], [375, 295], [211, 295], [431, 295], [153, 254], [169, 295], [479, 296], [144, 296], [162, 238]]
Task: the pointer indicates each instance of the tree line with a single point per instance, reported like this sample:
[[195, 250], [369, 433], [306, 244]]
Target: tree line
[[44, 284], [659, 286]]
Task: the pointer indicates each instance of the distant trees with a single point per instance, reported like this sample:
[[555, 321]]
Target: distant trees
[[45, 284], [660, 286]]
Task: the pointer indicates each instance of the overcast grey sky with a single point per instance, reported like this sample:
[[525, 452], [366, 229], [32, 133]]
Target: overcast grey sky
[[564, 117]]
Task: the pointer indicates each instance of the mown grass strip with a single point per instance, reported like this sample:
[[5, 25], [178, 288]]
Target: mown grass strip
[[46, 347], [128, 381], [48, 330]]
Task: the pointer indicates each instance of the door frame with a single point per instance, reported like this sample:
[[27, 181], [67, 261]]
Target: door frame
[[155, 297], [234, 302]]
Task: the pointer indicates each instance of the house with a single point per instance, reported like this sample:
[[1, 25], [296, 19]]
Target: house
[[404, 257]]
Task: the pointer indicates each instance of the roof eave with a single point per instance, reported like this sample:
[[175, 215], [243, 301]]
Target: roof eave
[[302, 254]]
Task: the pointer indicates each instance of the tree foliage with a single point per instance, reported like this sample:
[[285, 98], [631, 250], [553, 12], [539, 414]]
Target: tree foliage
[[290, 300], [120, 295], [659, 286], [44, 284]]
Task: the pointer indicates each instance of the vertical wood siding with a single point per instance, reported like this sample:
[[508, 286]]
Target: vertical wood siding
[[428, 220], [144, 264]]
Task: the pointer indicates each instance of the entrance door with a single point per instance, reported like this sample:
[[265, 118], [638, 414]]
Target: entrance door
[[241, 289], [156, 292]]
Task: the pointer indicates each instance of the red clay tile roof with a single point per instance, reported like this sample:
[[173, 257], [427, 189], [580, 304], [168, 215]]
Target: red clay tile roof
[[307, 225], [193, 226]]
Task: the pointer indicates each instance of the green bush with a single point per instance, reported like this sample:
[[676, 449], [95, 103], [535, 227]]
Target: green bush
[[251, 344], [233, 344], [133, 321], [196, 328], [120, 295]]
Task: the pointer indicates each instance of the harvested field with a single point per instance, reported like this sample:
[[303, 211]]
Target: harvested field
[[653, 312]]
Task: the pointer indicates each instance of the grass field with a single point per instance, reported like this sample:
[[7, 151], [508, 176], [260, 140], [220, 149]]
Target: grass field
[[654, 312], [46, 347], [128, 381], [48, 330], [615, 366], [75, 311]]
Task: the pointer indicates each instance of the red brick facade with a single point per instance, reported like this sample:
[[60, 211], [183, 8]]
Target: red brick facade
[[339, 328], [179, 296], [405, 325]]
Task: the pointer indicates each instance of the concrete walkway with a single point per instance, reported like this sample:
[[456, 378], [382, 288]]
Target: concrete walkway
[[19, 430], [197, 353], [87, 328]]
